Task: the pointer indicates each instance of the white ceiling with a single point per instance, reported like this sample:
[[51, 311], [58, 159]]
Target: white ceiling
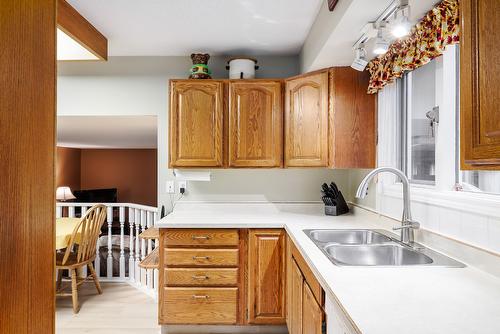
[[337, 50], [107, 131], [180, 27]]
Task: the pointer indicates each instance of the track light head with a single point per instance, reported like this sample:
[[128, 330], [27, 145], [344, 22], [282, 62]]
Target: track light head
[[381, 44], [359, 63], [402, 27]]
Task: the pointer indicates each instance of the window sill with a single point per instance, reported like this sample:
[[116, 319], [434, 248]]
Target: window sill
[[478, 203]]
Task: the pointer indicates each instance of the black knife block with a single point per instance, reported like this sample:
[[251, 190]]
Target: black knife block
[[339, 209]]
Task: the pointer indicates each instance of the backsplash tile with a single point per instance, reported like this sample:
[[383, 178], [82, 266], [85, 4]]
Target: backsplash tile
[[449, 222], [494, 234], [474, 228]]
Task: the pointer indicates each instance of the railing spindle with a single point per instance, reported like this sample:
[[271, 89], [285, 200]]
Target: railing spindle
[[122, 241], [109, 262], [137, 246], [71, 211], [143, 246], [149, 273], [83, 209], [131, 262]]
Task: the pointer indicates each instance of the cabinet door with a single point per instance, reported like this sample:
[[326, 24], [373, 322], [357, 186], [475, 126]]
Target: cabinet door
[[306, 121], [480, 84], [266, 277], [312, 314], [352, 122], [294, 306], [196, 124], [255, 124]]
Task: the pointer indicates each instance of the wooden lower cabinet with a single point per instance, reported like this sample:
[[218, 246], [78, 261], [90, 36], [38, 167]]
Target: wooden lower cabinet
[[199, 305], [295, 291], [222, 276], [260, 280], [266, 277], [312, 313], [304, 304], [201, 257], [201, 277]]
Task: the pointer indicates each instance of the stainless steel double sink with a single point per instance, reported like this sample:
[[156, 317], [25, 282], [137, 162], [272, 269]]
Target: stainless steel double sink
[[375, 248]]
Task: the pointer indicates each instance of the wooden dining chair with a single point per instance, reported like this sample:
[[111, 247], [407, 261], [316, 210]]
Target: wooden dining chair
[[85, 236]]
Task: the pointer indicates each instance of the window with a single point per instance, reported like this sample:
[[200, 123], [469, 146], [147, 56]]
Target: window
[[418, 97], [480, 181], [418, 129]]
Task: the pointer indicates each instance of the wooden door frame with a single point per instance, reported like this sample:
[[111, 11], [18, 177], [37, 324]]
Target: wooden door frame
[[27, 147]]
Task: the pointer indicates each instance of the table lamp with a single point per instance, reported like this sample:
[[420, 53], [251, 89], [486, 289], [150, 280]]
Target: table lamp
[[64, 193]]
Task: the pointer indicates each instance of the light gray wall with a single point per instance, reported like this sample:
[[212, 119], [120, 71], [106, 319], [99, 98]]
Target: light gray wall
[[320, 32], [355, 178], [139, 86]]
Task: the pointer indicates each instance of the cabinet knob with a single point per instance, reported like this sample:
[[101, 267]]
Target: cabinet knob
[[200, 277], [200, 237], [201, 257], [201, 297]]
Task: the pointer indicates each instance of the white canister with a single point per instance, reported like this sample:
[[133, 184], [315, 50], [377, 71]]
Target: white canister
[[242, 68]]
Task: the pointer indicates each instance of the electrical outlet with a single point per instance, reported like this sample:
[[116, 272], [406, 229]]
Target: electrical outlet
[[182, 184], [170, 187]]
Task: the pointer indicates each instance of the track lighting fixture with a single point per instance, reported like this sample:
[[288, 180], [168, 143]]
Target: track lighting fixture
[[396, 18], [359, 63], [381, 44], [401, 25]]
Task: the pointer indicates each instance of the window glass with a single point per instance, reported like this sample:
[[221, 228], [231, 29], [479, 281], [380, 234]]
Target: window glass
[[421, 135], [481, 181]]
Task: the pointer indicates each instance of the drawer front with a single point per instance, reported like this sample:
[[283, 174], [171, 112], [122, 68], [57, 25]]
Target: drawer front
[[199, 306], [201, 257], [201, 277], [201, 237]]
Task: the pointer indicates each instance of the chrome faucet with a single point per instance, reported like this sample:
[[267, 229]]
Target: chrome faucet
[[407, 224]]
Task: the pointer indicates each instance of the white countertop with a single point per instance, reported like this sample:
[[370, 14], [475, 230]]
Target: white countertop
[[402, 300]]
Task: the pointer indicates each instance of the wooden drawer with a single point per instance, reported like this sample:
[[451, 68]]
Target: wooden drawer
[[199, 306], [201, 237], [200, 277], [201, 257]]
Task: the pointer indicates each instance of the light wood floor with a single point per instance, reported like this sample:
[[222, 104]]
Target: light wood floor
[[120, 309]]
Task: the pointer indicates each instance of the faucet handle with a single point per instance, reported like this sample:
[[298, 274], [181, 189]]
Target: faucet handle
[[407, 224]]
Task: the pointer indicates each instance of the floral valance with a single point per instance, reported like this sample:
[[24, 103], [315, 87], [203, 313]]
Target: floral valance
[[427, 40]]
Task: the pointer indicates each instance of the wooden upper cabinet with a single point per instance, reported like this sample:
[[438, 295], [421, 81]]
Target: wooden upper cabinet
[[480, 84], [266, 277], [306, 120], [255, 124], [196, 123], [353, 119]]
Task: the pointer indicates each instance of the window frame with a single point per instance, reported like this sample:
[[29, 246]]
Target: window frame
[[445, 192]]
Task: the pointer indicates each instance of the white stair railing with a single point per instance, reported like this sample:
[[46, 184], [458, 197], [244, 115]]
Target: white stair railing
[[120, 262]]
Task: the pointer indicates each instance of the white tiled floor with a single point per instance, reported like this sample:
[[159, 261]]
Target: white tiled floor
[[120, 309]]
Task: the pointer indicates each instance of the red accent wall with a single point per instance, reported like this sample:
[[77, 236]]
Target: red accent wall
[[68, 167], [132, 171]]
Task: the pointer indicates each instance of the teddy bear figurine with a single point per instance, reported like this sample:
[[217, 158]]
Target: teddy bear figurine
[[200, 70]]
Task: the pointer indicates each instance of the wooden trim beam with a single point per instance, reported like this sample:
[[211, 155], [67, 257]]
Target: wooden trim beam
[[81, 30]]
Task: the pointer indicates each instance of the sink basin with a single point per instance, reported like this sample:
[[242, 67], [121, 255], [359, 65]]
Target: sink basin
[[376, 255], [348, 237], [363, 247]]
